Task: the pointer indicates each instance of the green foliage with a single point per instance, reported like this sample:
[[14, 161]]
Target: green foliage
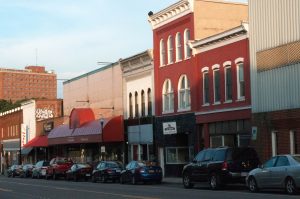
[[8, 105]]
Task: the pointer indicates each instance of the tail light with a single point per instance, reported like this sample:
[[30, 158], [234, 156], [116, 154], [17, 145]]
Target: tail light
[[141, 170], [110, 171], [224, 166]]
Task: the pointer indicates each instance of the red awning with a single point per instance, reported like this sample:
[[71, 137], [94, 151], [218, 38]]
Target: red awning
[[39, 141]]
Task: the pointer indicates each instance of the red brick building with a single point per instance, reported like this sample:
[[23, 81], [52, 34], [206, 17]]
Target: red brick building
[[33, 82]]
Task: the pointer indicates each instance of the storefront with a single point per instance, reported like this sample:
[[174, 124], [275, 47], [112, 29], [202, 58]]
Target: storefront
[[85, 139], [11, 151], [175, 142]]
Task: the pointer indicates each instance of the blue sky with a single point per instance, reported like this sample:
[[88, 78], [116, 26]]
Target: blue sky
[[71, 36]]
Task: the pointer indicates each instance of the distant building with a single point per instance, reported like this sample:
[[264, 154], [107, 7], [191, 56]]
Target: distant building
[[33, 82]]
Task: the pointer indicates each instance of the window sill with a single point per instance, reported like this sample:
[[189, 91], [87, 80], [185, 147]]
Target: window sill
[[204, 105], [216, 103], [180, 60], [186, 58], [167, 112], [240, 99], [228, 101], [184, 109]]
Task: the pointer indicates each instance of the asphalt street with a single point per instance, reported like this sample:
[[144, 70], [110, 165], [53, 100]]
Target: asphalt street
[[20, 188]]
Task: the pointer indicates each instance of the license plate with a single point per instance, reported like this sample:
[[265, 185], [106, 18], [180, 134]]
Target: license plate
[[43, 172], [87, 174], [244, 174], [151, 171]]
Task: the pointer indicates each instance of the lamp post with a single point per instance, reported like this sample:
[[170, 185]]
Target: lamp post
[[101, 123]]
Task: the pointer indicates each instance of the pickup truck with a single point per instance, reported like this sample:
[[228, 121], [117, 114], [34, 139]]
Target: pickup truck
[[58, 167]]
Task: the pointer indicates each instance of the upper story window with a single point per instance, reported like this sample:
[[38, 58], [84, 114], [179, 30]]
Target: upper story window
[[228, 83], [217, 84], [143, 103], [178, 47], [170, 50], [136, 106], [184, 97], [168, 96], [130, 106], [162, 53], [149, 102], [205, 87], [240, 81], [187, 49]]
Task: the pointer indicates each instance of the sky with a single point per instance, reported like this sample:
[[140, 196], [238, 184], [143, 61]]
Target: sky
[[71, 36]]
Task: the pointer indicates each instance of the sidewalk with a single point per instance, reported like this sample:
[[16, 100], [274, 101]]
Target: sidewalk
[[172, 180]]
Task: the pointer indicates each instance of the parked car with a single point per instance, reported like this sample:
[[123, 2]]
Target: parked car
[[14, 170], [107, 170], [58, 167], [220, 166], [26, 170], [281, 172], [40, 169], [79, 171], [137, 171]]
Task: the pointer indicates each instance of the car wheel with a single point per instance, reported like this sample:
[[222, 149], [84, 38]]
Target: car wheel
[[38, 176], [54, 176], [122, 180], [187, 181], [94, 179], [158, 181], [252, 185], [214, 181], [75, 178], [290, 186], [133, 181]]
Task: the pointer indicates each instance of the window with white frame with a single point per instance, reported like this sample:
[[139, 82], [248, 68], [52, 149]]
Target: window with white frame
[[130, 106], [136, 106], [143, 104], [178, 47], [168, 96], [228, 83], [170, 50], [240, 81], [149, 102], [187, 49], [217, 85], [184, 97], [179, 155], [162, 53], [205, 88]]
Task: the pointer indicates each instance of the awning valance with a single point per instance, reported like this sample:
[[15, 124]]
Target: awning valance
[[39, 141]]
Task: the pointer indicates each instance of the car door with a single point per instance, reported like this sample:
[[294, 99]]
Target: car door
[[279, 171], [196, 166], [204, 169], [263, 177]]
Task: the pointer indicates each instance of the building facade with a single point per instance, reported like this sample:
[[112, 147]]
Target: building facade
[[138, 95], [275, 69], [223, 113], [175, 72], [33, 82]]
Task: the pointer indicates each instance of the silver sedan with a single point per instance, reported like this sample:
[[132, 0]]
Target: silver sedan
[[280, 172]]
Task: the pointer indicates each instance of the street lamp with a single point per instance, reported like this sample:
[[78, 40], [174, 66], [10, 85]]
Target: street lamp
[[101, 123]]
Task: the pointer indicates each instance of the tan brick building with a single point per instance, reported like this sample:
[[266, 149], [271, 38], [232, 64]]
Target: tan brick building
[[33, 82]]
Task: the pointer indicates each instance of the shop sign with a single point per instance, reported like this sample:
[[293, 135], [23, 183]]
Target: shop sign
[[169, 128], [23, 134], [254, 133], [102, 149]]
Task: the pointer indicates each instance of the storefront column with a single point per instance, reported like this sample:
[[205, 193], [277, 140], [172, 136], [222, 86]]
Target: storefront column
[[206, 135]]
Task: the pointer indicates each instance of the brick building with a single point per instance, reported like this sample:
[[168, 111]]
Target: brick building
[[33, 82]]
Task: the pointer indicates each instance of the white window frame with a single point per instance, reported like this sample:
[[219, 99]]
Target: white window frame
[[226, 66], [162, 51], [186, 94], [215, 69], [169, 92], [274, 142], [176, 148], [187, 49], [170, 50], [292, 142], [204, 72], [178, 47], [239, 62]]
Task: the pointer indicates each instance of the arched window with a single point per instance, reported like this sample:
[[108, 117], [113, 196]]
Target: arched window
[[130, 106], [143, 103], [240, 81], [149, 102], [136, 106], [187, 49], [168, 96], [178, 47], [162, 53], [184, 93], [170, 50]]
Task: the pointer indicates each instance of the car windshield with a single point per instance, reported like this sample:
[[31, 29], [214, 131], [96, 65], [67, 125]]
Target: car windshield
[[62, 161], [113, 165], [45, 163], [83, 165], [297, 158]]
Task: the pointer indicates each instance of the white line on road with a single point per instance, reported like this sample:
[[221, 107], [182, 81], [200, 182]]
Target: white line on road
[[5, 190]]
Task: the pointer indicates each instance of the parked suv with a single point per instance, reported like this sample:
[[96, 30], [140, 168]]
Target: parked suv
[[58, 167], [220, 166]]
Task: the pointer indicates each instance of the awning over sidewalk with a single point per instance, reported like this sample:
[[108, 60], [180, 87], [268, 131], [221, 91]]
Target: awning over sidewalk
[[87, 131], [39, 141]]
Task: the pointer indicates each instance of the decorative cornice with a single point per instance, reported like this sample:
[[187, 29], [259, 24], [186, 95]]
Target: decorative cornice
[[170, 13]]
